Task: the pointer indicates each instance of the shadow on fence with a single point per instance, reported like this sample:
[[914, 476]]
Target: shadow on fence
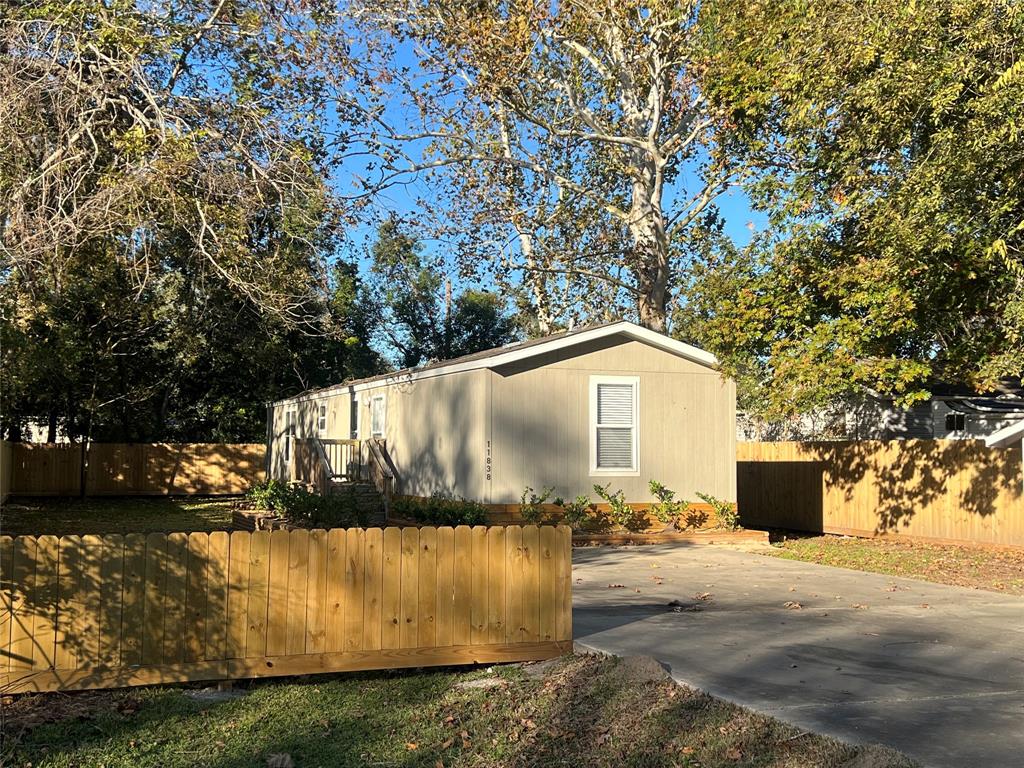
[[112, 611], [113, 469], [952, 489]]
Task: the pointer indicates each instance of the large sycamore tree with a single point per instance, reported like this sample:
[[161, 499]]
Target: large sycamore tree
[[575, 148], [888, 140]]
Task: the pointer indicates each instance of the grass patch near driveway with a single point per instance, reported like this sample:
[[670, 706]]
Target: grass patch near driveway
[[61, 517], [576, 711], [998, 570]]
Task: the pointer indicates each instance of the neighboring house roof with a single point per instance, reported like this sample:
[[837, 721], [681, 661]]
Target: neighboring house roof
[[1006, 436], [512, 353]]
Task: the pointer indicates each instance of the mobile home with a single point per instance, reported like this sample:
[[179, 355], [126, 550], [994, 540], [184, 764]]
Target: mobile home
[[615, 403]]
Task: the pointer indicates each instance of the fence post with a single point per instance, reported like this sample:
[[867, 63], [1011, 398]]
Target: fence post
[[82, 469]]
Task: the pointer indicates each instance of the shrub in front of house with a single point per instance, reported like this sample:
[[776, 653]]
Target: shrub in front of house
[[306, 509], [439, 509], [725, 511]]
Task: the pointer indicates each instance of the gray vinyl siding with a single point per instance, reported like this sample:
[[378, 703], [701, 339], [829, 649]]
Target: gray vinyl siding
[[540, 425]]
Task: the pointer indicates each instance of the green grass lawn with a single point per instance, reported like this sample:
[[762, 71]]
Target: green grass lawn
[[114, 515], [578, 711], [999, 570]]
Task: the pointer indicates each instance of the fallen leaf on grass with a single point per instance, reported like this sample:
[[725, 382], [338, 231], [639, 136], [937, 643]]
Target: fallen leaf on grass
[[733, 754], [411, 746]]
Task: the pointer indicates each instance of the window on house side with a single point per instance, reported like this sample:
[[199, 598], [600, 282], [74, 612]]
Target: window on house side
[[614, 419], [289, 434], [353, 418], [321, 420], [378, 410], [955, 422]]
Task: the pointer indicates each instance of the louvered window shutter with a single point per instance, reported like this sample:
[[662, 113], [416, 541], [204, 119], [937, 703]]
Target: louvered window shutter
[[615, 427]]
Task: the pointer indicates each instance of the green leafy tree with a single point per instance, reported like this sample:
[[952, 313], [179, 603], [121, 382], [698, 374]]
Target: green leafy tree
[[887, 147], [422, 321]]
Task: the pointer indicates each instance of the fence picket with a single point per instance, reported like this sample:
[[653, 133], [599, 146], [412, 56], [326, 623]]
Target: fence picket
[[391, 593], [496, 555], [355, 548], [336, 608], [316, 593], [298, 581], [133, 611], [427, 586], [17, 582], [513, 591], [478, 599], [257, 610], [215, 645], [373, 588], [462, 609], [277, 612], [445, 603], [238, 594], [409, 626]]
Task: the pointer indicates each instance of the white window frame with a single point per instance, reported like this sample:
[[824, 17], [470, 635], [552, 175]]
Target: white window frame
[[353, 415], [291, 418], [383, 416], [321, 419], [596, 471]]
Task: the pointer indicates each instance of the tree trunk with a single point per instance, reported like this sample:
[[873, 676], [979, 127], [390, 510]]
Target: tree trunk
[[651, 269]]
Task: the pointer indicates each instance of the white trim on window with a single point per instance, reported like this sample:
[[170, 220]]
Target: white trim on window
[[377, 429], [290, 417], [633, 426], [321, 419]]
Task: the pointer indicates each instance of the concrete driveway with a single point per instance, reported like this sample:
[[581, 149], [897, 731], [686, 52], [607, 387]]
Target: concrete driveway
[[936, 672]]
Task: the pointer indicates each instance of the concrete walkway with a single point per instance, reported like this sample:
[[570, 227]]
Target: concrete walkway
[[936, 672]]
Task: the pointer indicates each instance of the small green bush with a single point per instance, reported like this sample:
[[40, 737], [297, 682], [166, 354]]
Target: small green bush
[[620, 512], [576, 513], [666, 509], [271, 495], [725, 511], [439, 509], [531, 506]]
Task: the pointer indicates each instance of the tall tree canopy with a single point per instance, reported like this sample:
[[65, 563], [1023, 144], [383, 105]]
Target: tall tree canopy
[[165, 217], [887, 138], [572, 138]]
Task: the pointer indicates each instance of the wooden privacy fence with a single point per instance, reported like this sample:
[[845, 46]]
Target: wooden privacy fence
[[111, 611], [149, 469], [953, 490]]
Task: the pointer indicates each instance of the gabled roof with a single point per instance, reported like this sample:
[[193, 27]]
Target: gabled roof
[[1006, 436], [512, 353]]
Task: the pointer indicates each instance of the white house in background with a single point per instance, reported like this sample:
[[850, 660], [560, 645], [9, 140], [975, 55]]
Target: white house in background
[[951, 413]]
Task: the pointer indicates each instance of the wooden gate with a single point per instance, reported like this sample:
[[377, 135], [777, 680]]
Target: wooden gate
[[109, 611]]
